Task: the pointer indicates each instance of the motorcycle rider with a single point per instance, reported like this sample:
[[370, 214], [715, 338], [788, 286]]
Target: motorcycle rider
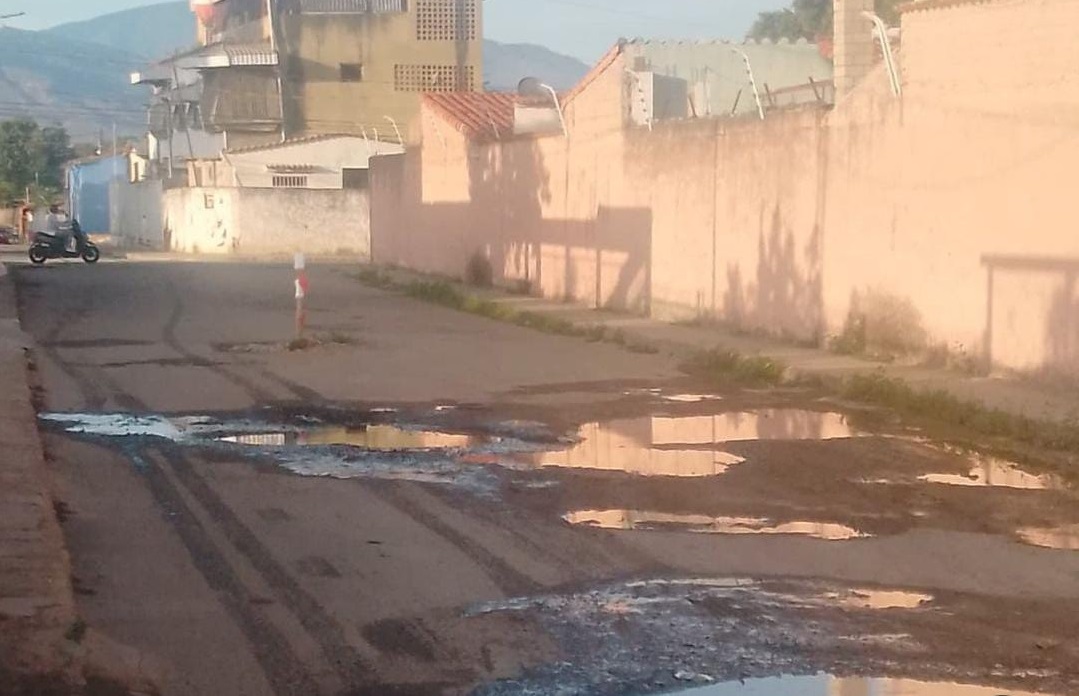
[[59, 225]]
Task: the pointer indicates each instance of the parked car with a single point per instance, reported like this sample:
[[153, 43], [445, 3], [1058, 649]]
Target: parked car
[[9, 235]]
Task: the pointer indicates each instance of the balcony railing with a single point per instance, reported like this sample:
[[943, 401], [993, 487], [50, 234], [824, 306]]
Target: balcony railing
[[345, 6]]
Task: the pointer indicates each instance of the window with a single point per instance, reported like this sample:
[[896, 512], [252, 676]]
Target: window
[[356, 178], [446, 20], [351, 72], [433, 78], [289, 181]]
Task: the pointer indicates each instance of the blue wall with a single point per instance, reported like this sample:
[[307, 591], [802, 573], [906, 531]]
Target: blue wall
[[88, 184]]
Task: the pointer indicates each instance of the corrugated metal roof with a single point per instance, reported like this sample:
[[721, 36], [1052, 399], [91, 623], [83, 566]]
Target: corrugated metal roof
[[479, 115], [250, 54], [916, 5], [302, 140]]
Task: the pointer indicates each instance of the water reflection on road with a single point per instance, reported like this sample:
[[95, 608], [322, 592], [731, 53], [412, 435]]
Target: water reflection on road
[[991, 472], [826, 685], [385, 438], [686, 446], [702, 524]]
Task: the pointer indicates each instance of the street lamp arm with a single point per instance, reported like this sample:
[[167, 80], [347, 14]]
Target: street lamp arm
[[558, 107]]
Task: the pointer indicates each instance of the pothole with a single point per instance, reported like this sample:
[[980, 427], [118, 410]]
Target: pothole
[[990, 472], [701, 524], [829, 685], [715, 637], [382, 438], [1064, 538], [686, 446]]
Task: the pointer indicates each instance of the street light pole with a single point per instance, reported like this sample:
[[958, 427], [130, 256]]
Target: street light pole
[[558, 107]]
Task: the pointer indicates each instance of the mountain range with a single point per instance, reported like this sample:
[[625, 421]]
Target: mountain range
[[76, 74]]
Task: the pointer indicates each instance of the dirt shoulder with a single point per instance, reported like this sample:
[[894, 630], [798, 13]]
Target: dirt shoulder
[[37, 610]]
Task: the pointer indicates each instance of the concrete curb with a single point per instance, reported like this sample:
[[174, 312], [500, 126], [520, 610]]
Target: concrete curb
[[37, 601]]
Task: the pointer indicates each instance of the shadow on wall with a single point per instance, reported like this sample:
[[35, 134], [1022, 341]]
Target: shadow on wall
[[516, 218], [602, 258], [1018, 331], [787, 297]]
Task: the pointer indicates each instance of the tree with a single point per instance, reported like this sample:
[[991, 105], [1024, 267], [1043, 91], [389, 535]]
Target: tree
[[56, 151], [33, 158], [809, 19], [19, 157]]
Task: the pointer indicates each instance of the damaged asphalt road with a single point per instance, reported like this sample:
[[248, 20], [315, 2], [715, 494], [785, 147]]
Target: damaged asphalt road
[[448, 505]]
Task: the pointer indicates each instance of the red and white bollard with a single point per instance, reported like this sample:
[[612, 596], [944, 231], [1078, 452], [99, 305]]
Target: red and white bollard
[[302, 287]]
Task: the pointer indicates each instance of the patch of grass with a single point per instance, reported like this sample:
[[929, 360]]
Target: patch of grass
[[298, 344], [729, 367], [548, 324], [335, 338], [943, 407], [376, 278], [446, 294], [76, 631]]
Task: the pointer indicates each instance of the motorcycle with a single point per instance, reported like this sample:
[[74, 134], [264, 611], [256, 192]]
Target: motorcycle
[[51, 246]]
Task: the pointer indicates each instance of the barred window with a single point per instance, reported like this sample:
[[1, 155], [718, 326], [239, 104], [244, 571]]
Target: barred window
[[446, 20], [433, 78], [289, 181], [351, 72]]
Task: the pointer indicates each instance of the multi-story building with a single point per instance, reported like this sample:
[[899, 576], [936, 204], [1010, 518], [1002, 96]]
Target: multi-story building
[[277, 69]]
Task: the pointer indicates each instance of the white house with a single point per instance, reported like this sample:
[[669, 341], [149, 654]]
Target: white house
[[314, 162]]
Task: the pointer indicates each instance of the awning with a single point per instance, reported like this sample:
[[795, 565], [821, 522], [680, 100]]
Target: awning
[[219, 55]]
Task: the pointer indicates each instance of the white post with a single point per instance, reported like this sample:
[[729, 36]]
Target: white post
[[301, 285]]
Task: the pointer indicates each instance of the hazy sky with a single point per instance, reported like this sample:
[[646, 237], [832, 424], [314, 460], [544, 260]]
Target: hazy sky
[[584, 28]]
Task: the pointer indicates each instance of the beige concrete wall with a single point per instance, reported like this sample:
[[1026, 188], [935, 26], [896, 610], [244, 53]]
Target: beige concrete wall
[[136, 217], [943, 218], [315, 46], [544, 211], [736, 219], [262, 221], [956, 201]]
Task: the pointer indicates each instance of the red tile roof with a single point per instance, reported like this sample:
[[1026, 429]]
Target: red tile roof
[[601, 67], [479, 115]]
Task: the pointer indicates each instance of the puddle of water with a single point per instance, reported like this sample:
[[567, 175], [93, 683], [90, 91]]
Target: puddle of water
[[1065, 538], [691, 398], [879, 599], [381, 438], [826, 685], [702, 524], [661, 634], [686, 446], [990, 472], [115, 425]]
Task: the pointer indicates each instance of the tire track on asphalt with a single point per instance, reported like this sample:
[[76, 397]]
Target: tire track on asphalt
[[327, 632], [286, 673], [253, 391], [92, 397], [611, 558], [508, 579]]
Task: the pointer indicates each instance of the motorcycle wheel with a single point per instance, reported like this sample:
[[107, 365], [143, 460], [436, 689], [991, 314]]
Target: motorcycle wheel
[[38, 254], [91, 254]]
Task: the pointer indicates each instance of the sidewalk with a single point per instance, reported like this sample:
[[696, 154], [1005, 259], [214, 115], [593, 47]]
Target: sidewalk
[[37, 607], [1038, 401]]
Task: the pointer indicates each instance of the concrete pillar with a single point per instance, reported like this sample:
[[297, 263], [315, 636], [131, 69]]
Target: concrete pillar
[[854, 52]]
